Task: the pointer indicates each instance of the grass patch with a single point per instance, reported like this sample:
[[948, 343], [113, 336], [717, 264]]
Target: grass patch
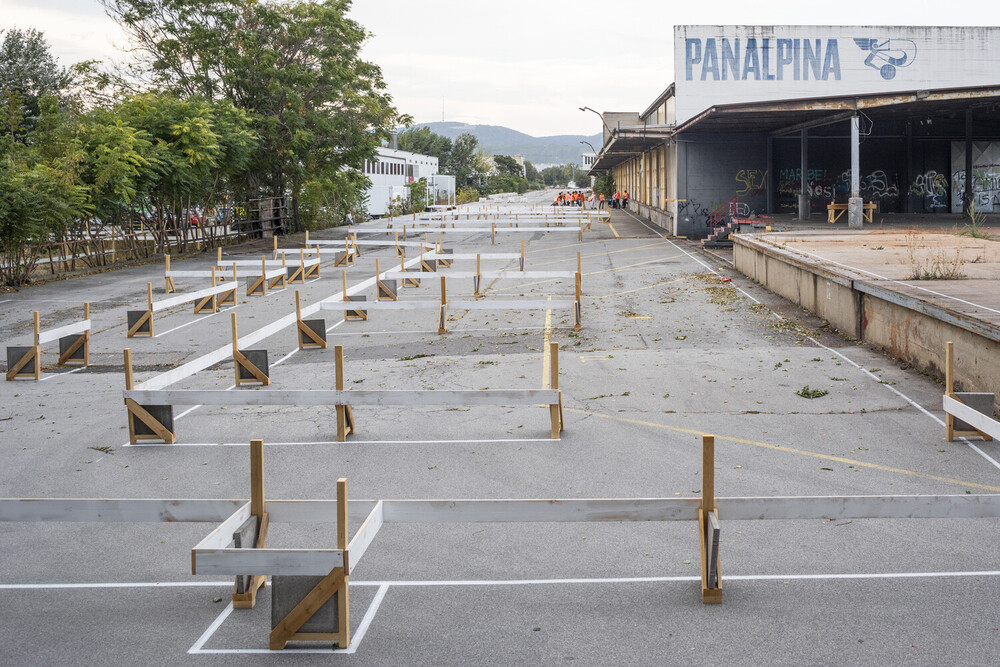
[[806, 392], [415, 356]]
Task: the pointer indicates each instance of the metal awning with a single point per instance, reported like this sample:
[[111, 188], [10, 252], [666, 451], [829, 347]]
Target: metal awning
[[627, 142]]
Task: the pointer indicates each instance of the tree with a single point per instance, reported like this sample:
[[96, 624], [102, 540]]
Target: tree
[[464, 159], [530, 172], [507, 165], [38, 186], [422, 140], [605, 185], [28, 70], [294, 66]]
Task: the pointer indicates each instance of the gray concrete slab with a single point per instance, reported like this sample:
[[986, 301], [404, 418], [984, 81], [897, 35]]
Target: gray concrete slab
[[669, 350]]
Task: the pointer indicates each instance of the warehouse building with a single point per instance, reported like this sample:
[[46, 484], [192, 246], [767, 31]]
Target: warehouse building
[[875, 120]]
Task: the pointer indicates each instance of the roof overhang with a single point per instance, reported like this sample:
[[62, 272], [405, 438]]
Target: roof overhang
[[627, 142], [787, 116]]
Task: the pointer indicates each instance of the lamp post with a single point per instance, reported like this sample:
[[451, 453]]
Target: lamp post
[[599, 115]]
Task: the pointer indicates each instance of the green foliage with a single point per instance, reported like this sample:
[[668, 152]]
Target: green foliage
[[505, 164], [28, 70], [464, 162], [976, 220], [39, 192], [418, 195], [806, 392], [605, 185], [294, 67], [560, 176], [467, 195], [422, 140]]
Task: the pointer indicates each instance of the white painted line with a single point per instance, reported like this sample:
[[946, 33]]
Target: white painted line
[[909, 400], [55, 375], [349, 442], [898, 282], [205, 636], [204, 317], [359, 634], [429, 583], [112, 584], [906, 398]]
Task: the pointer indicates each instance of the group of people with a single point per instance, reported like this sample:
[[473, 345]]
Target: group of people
[[594, 201], [575, 198], [618, 200]]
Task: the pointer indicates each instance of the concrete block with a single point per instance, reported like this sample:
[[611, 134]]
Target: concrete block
[[259, 359], [245, 537], [66, 342], [978, 401], [287, 591], [15, 354], [318, 327], [134, 316], [161, 413]]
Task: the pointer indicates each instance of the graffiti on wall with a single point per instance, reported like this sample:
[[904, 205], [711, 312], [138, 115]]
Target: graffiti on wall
[[932, 187], [985, 176], [824, 187], [751, 182]]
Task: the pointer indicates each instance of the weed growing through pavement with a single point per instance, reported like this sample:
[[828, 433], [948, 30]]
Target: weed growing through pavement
[[806, 392], [936, 267]]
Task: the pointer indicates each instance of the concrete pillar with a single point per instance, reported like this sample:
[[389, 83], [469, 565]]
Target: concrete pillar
[[910, 171], [770, 175], [804, 204], [969, 196], [854, 204]]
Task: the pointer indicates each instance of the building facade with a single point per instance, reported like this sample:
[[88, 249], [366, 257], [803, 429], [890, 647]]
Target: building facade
[[788, 119], [392, 170]]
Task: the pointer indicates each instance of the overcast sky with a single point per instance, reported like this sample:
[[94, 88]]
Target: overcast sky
[[525, 64]]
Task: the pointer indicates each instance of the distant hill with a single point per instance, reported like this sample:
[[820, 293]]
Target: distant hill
[[498, 140]]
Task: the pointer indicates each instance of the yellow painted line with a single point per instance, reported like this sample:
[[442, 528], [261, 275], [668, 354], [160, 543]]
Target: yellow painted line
[[600, 254], [639, 289], [791, 450], [613, 230], [546, 355], [592, 273]]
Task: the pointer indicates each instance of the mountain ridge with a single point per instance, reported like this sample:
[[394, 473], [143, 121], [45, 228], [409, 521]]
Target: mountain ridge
[[501, 140]]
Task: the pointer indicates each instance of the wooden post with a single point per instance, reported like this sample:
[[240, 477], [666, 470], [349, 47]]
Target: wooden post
[[707, 515], [343, 606], [129, 384], [443, 317], [34, 341], [218, 255], [493, 233], [577, 325], [579, 264], [555, 409], [263, 275], [479, 276], [275, 250], [522, 254], [949, 388], [169, 287], [257, 506], [338, 355], [236, 350], [343, 275], [307, 237], [86, 335]]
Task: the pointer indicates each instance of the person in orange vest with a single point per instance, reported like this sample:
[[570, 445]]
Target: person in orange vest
[[616, 200], [601, 204], [625, 199]]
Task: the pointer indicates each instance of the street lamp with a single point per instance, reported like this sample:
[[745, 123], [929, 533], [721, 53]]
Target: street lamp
[[599, 115]]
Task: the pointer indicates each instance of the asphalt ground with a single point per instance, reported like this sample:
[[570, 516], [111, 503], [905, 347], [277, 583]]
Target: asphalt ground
[[669, 350]]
